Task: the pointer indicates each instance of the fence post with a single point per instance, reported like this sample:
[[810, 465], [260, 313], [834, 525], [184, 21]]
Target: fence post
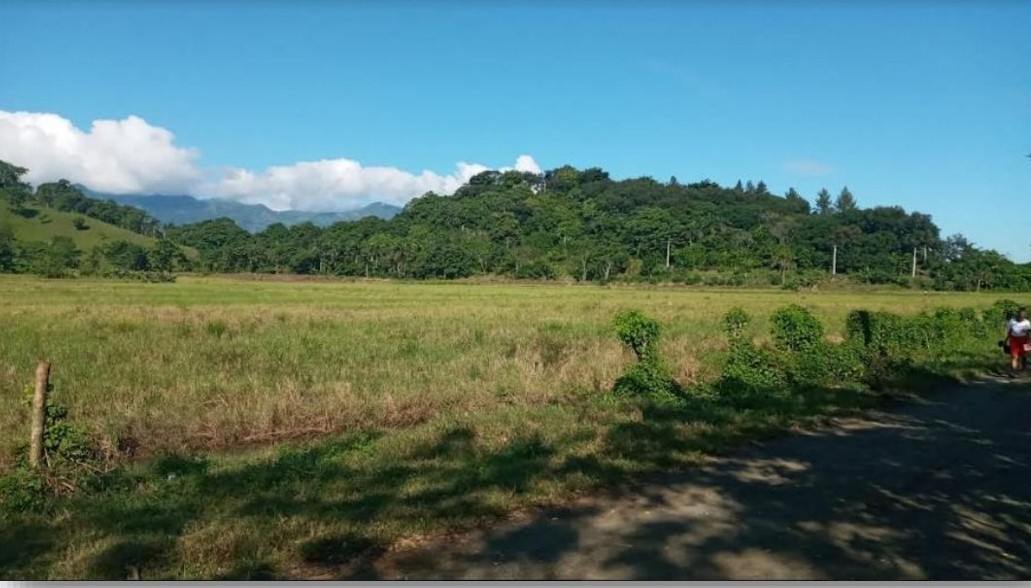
[[39, 413]]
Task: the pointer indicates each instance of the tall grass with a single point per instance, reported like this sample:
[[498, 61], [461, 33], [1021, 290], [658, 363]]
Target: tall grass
[[216, 363], [433, 407]]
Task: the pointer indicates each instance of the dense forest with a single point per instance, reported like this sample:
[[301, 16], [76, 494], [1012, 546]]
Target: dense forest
[[563, 224]]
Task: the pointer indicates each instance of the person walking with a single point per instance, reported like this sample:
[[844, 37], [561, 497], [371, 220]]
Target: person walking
[[1018, 337]]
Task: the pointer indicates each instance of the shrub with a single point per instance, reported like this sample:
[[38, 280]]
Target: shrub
[[71, 462], [751, 368], [973, 325], [794, 328], [801, 280], [649, 377], [692, 279], [933, 335], [22, 490], [879, 332], [638, 332], [156, 277], [735, 321], [827, 364], [1001, 311], [882, 370], [952, 326], [535, 270], [62, 440]]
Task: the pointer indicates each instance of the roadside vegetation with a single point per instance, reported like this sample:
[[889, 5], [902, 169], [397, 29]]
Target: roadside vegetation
[[226, 428]]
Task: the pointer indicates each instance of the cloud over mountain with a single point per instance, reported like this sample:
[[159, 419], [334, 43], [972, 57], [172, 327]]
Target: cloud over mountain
[[132, 156]]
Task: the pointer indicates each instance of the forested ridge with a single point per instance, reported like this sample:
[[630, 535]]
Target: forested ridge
[[563, 224]]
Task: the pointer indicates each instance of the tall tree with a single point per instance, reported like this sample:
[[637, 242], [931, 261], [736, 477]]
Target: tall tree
[[57, 258], [10, 176], [823, 202], [164, 256], [798, 205], [845, 201], [783, 260], [12, 185], [7, 249]]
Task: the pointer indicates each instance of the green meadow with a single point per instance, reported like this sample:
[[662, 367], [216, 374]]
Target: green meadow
[[284, 428]]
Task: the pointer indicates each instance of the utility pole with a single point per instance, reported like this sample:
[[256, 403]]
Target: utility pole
[[914, 262], [668, 239], [834, 261], [925, 254]]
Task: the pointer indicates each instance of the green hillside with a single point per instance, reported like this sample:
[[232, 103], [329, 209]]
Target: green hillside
[[42, 224]]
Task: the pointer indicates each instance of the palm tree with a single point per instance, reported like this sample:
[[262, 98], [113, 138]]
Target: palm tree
[[783, 259]]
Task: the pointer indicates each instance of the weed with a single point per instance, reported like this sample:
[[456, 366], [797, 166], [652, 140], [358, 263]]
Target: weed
[[216, 328]]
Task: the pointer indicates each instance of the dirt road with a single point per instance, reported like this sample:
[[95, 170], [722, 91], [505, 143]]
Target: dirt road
[[939, 490]]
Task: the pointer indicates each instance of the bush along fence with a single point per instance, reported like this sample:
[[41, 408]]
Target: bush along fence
[[798, 366], [650, 375], [879, 348]]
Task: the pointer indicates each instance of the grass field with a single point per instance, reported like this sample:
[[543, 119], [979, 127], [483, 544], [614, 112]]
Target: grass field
[[211, 363], [329, 419], [43, 224]]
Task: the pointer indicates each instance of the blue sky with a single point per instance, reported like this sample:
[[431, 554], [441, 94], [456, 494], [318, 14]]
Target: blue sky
[[922, 104]]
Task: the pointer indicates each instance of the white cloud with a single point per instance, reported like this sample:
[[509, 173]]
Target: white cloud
[[335, 184], [809, 167], [132, 156], [525, 163], [119, 156]]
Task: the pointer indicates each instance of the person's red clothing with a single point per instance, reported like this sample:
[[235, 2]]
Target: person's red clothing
[[1017, 346]]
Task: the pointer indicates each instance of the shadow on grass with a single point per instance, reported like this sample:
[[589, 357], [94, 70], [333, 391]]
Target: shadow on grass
[[126, 558], [335, 507], [939, 490], [22, 546], [249, 571], [25, 212]]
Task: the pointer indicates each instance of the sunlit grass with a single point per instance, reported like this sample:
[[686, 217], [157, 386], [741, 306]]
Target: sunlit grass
[[298, 428], [215, 362]]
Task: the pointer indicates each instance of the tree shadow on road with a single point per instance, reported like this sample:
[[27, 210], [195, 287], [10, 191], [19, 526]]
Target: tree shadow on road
[[936, 490], [939, 490]]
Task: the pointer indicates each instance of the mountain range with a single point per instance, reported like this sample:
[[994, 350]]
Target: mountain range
[[182, 209]]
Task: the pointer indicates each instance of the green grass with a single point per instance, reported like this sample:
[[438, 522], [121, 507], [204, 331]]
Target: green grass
[[211, 363], [329, 419], [43, 224]]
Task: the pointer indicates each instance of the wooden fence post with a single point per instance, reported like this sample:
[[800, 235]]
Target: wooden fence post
[[39, 413]]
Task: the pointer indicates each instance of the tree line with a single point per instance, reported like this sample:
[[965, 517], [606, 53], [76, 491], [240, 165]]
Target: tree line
[[582, 225], [65, 197], [60, 256]]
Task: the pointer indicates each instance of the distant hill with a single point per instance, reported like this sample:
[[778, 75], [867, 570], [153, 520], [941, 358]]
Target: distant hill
[[182, 210], [35, 223]]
